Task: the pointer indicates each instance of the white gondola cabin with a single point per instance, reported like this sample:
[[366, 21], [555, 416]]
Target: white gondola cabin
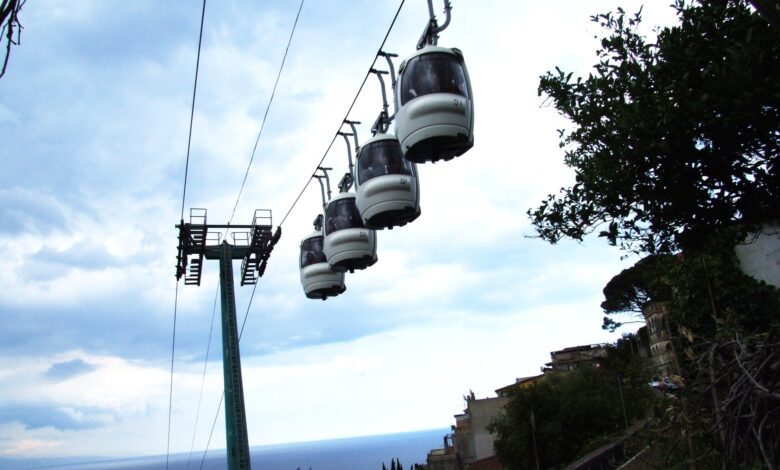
[[349, 245], [435, 118], [388, 190], [317, 279]]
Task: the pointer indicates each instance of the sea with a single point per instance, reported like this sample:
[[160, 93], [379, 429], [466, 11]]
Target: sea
[[355, 453]]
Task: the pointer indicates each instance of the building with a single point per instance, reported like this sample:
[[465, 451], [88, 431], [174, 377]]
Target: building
[[479, 413], [470, 446], [521, 382], [471, 439], [575, 356], [662, 357], [446, 458]]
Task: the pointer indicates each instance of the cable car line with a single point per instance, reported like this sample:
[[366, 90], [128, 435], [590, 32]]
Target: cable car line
[[203, 379], [213, 425], [232, 215], [325, 255], [323, 262], [430, 37], [222, 398], [346, 116], [265, 116], [183, 198], [434, 120], [170, 391], [192, 108]]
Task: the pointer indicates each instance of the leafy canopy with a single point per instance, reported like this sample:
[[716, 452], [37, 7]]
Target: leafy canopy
[[671, 138], [569, 413], [638, 285]]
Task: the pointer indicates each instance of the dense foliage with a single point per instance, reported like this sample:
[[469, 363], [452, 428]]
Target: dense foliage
[[671, 138], [634, 287], [566, 411], [675, 143], [726, 327], [726, 330]]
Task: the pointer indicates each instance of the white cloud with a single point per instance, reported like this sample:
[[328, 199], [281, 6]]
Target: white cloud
[[27, 447], [408, 378]]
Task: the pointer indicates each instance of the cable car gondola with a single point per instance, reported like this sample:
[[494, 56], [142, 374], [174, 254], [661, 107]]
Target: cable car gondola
[[317, 279], [388, 190], [435, 119], [349, 245]]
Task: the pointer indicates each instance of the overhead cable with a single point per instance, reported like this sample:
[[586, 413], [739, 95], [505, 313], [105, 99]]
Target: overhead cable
[[352, 105], [222, 398], [192, 109], [183, 198], [170, 391], [335, 136], [238, 198], [267, 108], [203, 379]]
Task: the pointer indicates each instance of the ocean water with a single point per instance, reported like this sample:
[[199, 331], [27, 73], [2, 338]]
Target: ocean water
[[357, 453]]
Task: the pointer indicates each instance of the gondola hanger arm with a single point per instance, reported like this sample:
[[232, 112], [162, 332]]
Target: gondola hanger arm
[[346, 135], [352, 125], [382, 122], [319, 178], [389, 57], [432, 29]]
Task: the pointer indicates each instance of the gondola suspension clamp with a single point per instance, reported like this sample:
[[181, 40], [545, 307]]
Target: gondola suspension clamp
[[431, 33]]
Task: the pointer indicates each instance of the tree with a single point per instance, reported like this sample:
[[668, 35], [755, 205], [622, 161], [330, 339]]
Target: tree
[[770, 9], [10, 28], [570, 409], [726, 330], [638, 285], [675, 146], [672, 138], [631, 290]]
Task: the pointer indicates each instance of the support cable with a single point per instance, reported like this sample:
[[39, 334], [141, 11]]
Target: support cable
[[170, 392], [192, 108], [232, 215], [203, 379], [222, 398], [335, 135], [213, 425], [295, 202], [346, 116], [183, 197], [267, 108]]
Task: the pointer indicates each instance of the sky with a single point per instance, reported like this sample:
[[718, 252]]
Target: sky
[[94, 116]]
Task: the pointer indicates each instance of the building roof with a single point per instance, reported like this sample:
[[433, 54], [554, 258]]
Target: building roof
[[519, 383], [585, 347]]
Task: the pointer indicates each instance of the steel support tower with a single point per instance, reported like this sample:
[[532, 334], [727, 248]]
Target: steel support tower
[[253, 245]]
